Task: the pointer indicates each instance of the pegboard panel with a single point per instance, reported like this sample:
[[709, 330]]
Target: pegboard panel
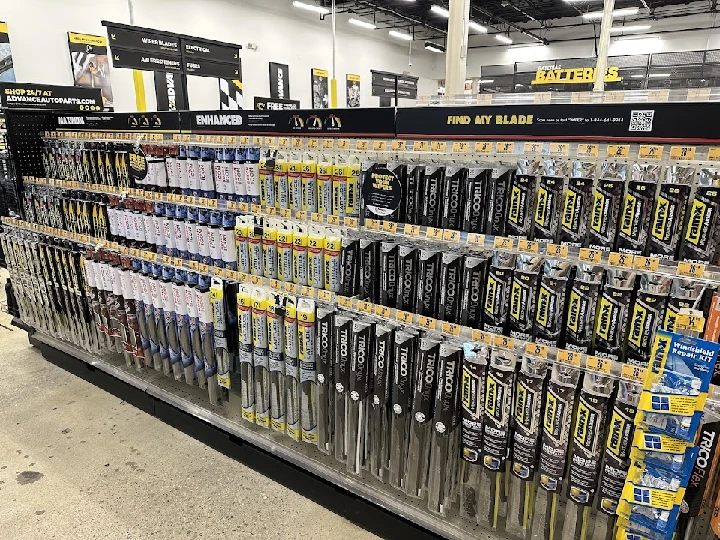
[[24, 134]]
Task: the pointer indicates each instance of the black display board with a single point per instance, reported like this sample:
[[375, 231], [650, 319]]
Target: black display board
[[44, 96], [279, 81], [385, 84], [339, 122], [682, 122], [147, 121], [275, 104]]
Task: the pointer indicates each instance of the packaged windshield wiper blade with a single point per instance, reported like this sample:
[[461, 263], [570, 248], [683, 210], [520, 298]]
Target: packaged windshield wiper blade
[[325, 328], [452, 212], [407, 272], [605, 211], [581, 307], [669, 213], [433, 187], [260, 357], [684, 294], [359, 403], [276, 360], [451, 266], [443, 474], [547, 522], [523, 294], [292, 346], [473, 288], [637, 208], [475, 197], [428, 283], [499, 387], [575, 212], [589, 430], [701, 229], [521, 199], [245, 340], [223, 358], [550, 313], [388, 273], [413, 197], [404, 361], [369, 277], [497, 292], [525, 444], [499, 186], [342, 339], [648, 311], [549, 200], [611, 328], [418, 449], [350, 266], [472, 399], [379, 432], [307, 352], [401, 172]]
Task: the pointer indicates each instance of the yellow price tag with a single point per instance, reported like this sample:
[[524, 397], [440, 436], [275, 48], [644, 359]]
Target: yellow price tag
[[167, 259], [343, 144], [476, 239], [685, 321], [537, 350], [271, 210], [256, 280], [648, 264], [601, 365], [379, 146], [593, 256], [203, 201], [270, 141], [220, 272], [285, 213], [433, 233], [528, 246], [284, 141], [134, 252], [243, 277], [557, 250], [275, 284], [232, 205], [690, 269], [243, 206], [328, 144], [193, 265], [505, 147], [483, 147], [363, 144], [255, 208], [421, 146], [325, 296], [482, 337], [177, 261], [403, 316], [307, 291], [618, 150], [345, 302], [651, 151], [212, 203], [350, 222], [412, 230], [682, 153], [389, 226], [204, 268], [291, 288], [504, 342], [559, 149], [257, 140], [569, 357], [244, 140], [333, 220], [620, 259], [398, 146], [427, 322], [588, 150], [438, 146], [451, 236], [503, 242], [634, 373], [313, 143], [533, 147], [382, 311], [714, 153], [450, 328], [460, 147], [297, 142]]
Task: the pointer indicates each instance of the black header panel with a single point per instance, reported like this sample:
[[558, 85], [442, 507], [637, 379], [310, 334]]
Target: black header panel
[[45, 96], [378, 122], [148, 121], [660, 122]]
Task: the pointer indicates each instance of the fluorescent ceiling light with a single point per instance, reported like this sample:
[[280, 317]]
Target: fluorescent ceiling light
[[477, 27], [594, 15], [400, 35], [518, 84], [434, 47], [503, 38], [311, 7], [578, 1], [362, 24], [526, 45], [652, 76], [440, 11], [487, 81], [630, 28]]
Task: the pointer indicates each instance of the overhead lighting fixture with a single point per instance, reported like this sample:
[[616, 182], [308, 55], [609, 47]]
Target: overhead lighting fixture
[[400, 35], [487, 81], [503, 39], [362, 24], [477, 27], [579, 1], [311, 7], [652, 76], [440, 11], [630, 28], [526, 46], [595, 15], [434, 47]]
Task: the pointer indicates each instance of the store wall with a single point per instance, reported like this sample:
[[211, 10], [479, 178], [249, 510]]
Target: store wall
[[282, 33]]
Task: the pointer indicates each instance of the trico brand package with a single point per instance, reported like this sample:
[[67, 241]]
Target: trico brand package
[[407, 270], [451, 266], [413, 197], [575, 212], [581, 307], [428, 283], [473, 288], [475, 197], [401, 399], [523, 295], [613, 313], [552, 296], [669, 213], [521, 200], [606, 205], [637, 208], [497, 292], [433, 189], [498, 191], [701, 231], [456, 179]]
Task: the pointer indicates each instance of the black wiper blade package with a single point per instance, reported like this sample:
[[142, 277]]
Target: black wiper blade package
[[521, 200], [605, 211], [637, 207], [455, 181], [684, 294], [648, 311], [407, 280], [582, 306], [497, 292], [476, 196], [473, 288], [498, 191], [669, 214], [433, 189], [523, 295], [451, 266], [701, 231], [415, 191], [575, 212], [428, 284], [550, 312], [549, 200], [613, 313]]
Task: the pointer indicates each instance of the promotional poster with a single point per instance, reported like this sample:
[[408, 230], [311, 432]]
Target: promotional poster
[[170, 92], [231, 94], [279, 81], [320, 89], [7, 72], [352, 83], [90, 65]]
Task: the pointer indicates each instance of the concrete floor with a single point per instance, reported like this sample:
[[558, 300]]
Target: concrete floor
[[77, 462]]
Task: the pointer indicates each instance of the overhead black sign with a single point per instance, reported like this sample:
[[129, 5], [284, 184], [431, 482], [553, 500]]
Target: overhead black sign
[[384, 84], [272, 104], [152, 41], [202, 50], [684, 122], [151, 121], [346, 122], [125, 58], [43, 96], [206, 68]]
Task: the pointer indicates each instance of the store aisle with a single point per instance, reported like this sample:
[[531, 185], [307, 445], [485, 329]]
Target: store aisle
[[77, 462]]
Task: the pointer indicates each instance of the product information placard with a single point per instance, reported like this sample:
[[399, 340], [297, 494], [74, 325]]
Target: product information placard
[[157, 42], [202, 50], [274, 104], [125, 58], [206, 68], [7, 72], [43, 96], [279, 81], [90, 65], [626, 121], [319, 88], [352, 87]]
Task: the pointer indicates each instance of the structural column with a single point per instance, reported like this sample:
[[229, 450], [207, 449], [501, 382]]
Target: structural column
[[456, 50], [603, 45]]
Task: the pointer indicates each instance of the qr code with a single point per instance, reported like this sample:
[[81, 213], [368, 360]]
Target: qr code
[[641, 120]]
